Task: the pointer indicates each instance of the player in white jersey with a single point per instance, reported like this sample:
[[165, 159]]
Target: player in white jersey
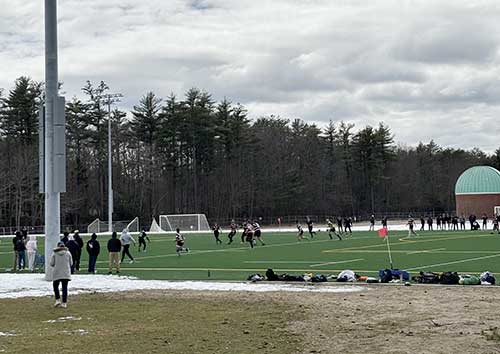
[[179, 243], [300, 233], [331, 230], [257, 233], [249, 234], [232, 233]]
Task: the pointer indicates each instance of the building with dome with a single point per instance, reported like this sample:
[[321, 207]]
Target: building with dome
[[478, 191]]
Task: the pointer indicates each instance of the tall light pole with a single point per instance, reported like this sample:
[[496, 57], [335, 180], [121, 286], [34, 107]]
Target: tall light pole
[[52, 138], [109, 99]]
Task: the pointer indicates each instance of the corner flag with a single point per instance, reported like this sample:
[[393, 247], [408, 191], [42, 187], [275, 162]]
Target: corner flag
[[382, 232]]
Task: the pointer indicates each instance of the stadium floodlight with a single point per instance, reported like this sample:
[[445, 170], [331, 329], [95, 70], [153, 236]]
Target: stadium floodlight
[[52, 154], [109, 99]]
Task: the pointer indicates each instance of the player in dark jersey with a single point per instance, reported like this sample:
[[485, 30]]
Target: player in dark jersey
[[249, 235], [216, 229], [485, 222], [347, 225], [142, 240], [310, 226], [244, 233], [179, 243], [422, 223], [232, 233], [372, 223], [429, 223], [339, 224], [331, 230], [257, 233]]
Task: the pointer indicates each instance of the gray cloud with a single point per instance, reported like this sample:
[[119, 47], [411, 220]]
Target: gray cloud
[[430, 70]]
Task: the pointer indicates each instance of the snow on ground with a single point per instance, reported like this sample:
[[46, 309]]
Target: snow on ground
[[34, 285]]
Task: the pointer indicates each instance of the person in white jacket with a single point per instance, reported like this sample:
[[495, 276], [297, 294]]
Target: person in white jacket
[[31, 247], [126, 238], [61, 263]]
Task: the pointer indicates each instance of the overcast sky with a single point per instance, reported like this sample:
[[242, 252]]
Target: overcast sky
[[428, 69]]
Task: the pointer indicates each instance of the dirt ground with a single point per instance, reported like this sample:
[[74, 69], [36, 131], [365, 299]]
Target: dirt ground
[[380, 319], [400, 319]]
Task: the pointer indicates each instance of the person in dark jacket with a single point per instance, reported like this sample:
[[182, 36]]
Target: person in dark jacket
[[114, 248], [79, 241], [93, 249], [74, 249], [20, 248], [16, 252], [65, 238]]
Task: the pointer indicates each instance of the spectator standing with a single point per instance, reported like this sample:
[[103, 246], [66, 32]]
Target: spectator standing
[[61, 262], [114, 248], [16, 252], [79, 241], [93, 249], [21, 251], [73, 248], [31, 247]]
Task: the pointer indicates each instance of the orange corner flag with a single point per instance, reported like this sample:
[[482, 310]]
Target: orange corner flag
[[382, 232]]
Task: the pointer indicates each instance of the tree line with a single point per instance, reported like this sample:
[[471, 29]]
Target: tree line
[[192, 154]]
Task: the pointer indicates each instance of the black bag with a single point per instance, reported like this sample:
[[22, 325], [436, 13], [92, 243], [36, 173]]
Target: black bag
[[427, 278], [289, 277], [449, 278], [271, 275]]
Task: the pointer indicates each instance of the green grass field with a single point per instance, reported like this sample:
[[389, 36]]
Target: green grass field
[[364, 252]]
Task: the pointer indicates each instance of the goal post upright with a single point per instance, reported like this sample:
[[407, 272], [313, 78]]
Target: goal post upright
[[52, 154]]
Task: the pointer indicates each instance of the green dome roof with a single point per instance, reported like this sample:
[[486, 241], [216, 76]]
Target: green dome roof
[[479, 180]]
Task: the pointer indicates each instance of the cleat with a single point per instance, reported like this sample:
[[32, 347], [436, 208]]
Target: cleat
[[58, 303]]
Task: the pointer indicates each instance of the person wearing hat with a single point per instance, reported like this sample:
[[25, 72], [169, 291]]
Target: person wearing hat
[[93, 249], [61, 263]]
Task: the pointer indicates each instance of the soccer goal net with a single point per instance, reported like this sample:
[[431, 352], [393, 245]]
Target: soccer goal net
[[98, 226], [185, 222]]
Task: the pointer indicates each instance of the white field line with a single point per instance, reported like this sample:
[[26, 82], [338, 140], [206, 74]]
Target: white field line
[[454, 262], [280, 262], [427, 251], [339, 262]]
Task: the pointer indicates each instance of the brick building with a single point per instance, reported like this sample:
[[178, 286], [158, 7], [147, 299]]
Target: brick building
[[478, 191]]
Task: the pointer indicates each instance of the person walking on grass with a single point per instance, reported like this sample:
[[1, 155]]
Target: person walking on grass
[[93, 249], [114, 248], [126, 239], [179, 243], [31, 247], [143, 236], [61, 263]]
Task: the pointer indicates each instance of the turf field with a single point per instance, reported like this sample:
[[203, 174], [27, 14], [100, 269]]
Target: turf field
[[364, 252]]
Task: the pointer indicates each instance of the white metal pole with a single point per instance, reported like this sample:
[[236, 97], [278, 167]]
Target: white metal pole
[[52, 202], [110, 174]]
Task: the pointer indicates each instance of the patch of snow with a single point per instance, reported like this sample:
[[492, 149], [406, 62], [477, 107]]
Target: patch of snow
[[80, 332], [7, 334], [34, 285], [64, 319]]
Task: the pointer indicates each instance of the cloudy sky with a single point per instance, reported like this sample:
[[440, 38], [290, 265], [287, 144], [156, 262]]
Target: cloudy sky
[[428, 69]]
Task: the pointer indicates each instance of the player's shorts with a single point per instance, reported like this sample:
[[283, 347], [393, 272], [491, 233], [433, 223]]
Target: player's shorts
[[301, 232], [257, 233], [249, 236], [180, 244], [332, 229]]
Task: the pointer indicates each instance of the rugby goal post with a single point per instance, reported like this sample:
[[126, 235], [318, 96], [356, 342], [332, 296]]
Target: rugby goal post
[[185, 222]]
